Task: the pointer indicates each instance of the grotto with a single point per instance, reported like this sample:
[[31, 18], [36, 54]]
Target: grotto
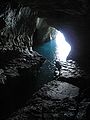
[[44, 60]]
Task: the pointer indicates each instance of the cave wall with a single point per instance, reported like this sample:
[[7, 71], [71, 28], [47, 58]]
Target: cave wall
[[42, 32], [20, 27], [17, 26], [23, 23], [21, 20]]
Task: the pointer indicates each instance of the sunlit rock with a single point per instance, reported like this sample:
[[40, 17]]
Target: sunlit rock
[[42, 32], [70, 69], [60, 90]]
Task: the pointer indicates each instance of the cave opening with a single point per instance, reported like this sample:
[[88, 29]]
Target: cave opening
[[55, 47], [62, 47]]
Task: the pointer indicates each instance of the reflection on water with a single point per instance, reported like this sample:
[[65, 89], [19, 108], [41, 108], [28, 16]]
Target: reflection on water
[[62, 47]]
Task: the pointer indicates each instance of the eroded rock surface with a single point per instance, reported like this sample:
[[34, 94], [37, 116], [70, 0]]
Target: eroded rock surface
[[15, 64], [72, 73]]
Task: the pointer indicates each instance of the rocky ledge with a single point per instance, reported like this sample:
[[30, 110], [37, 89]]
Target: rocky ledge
[[15, 63]]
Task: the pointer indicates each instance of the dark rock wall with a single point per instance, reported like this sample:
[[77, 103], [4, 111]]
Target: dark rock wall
[[51, 6], [17, 27]]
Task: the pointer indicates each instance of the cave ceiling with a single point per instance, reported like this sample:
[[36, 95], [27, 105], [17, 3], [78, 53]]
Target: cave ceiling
[[55, 10], [50, 7]]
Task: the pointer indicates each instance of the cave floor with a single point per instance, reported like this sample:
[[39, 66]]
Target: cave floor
[[65, 97]]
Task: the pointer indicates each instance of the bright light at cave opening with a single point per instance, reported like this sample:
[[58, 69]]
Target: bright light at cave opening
[[63, 48]]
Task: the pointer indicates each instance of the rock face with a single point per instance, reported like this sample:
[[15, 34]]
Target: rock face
[[56, 100], [19, 27], [42, 32], [49, 7], [14, 63], [17, 74], [69, 69], [72, 73]]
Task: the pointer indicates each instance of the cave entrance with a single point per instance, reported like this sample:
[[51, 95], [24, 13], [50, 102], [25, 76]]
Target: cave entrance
[[56, 48], [63, 48]]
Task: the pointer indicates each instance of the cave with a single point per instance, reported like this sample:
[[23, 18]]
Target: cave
[[44, 60]]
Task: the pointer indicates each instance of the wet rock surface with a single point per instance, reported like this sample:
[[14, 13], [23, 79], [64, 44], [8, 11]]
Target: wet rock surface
[[70, 69], [58, 99], [72, 73]]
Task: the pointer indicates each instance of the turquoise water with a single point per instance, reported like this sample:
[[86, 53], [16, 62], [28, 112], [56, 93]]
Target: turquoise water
[[54, 50], [47, 49]]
